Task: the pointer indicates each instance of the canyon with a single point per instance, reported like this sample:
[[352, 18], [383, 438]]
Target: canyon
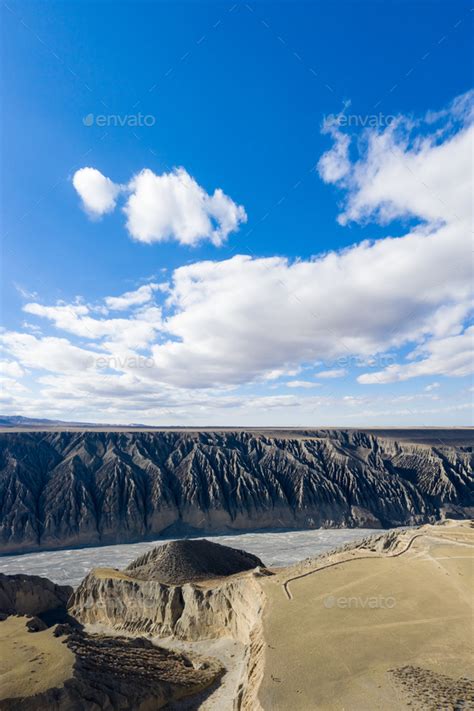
[[64, 488]]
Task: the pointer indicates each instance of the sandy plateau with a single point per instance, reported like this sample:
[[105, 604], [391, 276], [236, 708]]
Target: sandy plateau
[[374, 629]]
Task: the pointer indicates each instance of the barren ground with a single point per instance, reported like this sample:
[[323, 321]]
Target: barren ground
[[338, 643], [31, 662]]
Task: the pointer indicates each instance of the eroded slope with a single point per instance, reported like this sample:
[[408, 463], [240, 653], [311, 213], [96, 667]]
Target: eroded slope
[[59, 489]]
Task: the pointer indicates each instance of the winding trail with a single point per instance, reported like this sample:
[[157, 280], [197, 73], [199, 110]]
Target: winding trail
[[287, 590]]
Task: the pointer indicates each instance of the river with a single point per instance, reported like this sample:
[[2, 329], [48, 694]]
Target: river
[[275, 549]]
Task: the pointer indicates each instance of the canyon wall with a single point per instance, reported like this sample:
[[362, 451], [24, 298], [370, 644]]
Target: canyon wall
[[63, 488]]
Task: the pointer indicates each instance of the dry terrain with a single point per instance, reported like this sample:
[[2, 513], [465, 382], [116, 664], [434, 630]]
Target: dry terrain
[[84, 672], [382, 624], [32, 662], [366, 629]]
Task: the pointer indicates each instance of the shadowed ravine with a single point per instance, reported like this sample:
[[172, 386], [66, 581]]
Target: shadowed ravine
[[64, 488]]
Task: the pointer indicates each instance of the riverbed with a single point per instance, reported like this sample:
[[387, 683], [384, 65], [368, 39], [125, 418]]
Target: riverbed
[[275, 549]]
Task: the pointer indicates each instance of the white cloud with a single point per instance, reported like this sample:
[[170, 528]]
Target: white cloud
[[11, 369], [57, 355], [335, 164], [305, 384], [246, 321], [238, 319], [241, 318], [162, 207], [173, 205], [431, 387], [279, 373], [405, 173], [448, 356], [137, 331], [98, 193], [140, 296], [233, 321], [334, 373]]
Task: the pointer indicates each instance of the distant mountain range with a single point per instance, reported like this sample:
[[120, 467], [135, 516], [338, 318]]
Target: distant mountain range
[[19, 421], [35, 422], [68, 488]]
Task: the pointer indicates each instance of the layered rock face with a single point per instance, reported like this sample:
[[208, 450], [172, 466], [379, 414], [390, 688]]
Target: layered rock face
[[188, 611], [91, 672], [59, 489]]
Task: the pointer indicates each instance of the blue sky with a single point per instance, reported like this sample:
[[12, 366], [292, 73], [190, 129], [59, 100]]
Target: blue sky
[[238, 97]]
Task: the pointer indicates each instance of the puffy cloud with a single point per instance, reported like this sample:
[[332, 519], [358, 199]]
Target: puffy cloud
[[243, 319], [232, 321], [240, 318], [98, 193], [134, 332], [140, 296], [405, 172], [11, 369], [57, 355], [253, 321], [447, 356], [173, 205], [12, 385], [279, 373], [335, 164], [162, 207]]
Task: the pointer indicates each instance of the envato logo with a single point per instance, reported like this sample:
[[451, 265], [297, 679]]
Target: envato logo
[[381, 361], [131, 120], [118, 363], [359, 120], [371, 603]]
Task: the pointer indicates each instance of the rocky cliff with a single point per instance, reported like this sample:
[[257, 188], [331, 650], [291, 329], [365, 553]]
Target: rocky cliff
[[31, 595], [190, 611], [229, 604], [49, 662], [65, 488]]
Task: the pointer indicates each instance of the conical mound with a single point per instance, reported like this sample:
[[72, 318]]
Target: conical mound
[[185, 560]]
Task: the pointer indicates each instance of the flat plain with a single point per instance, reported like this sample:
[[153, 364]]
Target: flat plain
[[370, 631]]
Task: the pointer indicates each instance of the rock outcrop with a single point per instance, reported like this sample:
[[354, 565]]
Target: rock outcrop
[[65, 488], [230, 605], [105, 672], [189, 611], [31, 595]]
